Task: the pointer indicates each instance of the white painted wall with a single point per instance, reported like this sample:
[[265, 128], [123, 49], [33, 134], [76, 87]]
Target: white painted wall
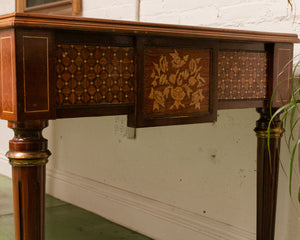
[[7, 6], [116, 9], [6, 134], [179, 182]]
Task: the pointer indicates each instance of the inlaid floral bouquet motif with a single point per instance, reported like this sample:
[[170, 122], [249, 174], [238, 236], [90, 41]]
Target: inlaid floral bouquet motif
[[178, 80]]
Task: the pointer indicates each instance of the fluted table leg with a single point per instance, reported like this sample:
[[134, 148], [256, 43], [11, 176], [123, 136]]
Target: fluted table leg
[[28, 156], [267, 173]]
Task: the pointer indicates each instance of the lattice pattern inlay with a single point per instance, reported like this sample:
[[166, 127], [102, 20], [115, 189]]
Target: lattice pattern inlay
[[242, 75], [89, 75]]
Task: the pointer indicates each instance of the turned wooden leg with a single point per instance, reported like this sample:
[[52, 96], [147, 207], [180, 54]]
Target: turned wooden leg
[[267, 174], [28, 156]]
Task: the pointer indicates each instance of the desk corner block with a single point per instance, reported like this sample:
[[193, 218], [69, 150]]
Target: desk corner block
[[28, 155], [27, 74], [282, 75]]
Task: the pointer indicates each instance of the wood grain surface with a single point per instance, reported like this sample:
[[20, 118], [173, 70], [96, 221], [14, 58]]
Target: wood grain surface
[[115, 26]]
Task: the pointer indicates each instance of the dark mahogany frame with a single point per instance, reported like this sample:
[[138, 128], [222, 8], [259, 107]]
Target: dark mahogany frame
[[27, 96]]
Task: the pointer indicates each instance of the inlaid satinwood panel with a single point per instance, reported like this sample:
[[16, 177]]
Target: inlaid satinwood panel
[[283, 66], [8, 96], [176, 81], [91, 75], [242, 75], [36, 67], [7, 84]]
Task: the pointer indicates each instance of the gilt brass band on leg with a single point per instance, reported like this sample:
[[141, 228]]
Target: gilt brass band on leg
[[28, 159], [273, 133]]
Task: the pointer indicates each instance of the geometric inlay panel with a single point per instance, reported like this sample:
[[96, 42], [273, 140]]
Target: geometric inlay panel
[[91, 75], [176, 81], [242, 75]]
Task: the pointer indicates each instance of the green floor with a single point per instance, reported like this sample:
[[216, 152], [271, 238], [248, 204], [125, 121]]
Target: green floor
[[63, 221]]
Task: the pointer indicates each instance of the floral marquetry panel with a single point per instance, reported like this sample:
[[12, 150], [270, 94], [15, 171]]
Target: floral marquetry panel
[[91, 75], [176, 81], [242, 75]]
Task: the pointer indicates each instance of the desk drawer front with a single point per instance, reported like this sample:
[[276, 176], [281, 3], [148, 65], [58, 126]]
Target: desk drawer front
[[176, 81]]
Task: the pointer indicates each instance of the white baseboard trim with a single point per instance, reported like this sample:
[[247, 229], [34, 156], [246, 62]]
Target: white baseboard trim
[[5, 167], [155, 219]]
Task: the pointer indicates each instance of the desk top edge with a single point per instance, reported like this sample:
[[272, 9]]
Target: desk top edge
[[15, 20]]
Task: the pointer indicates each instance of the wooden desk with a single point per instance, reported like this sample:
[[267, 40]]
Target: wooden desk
[[159, 75]]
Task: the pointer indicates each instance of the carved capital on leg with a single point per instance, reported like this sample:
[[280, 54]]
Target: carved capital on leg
[[267, 173], [28, 155], [262, 124], [28, 147]]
